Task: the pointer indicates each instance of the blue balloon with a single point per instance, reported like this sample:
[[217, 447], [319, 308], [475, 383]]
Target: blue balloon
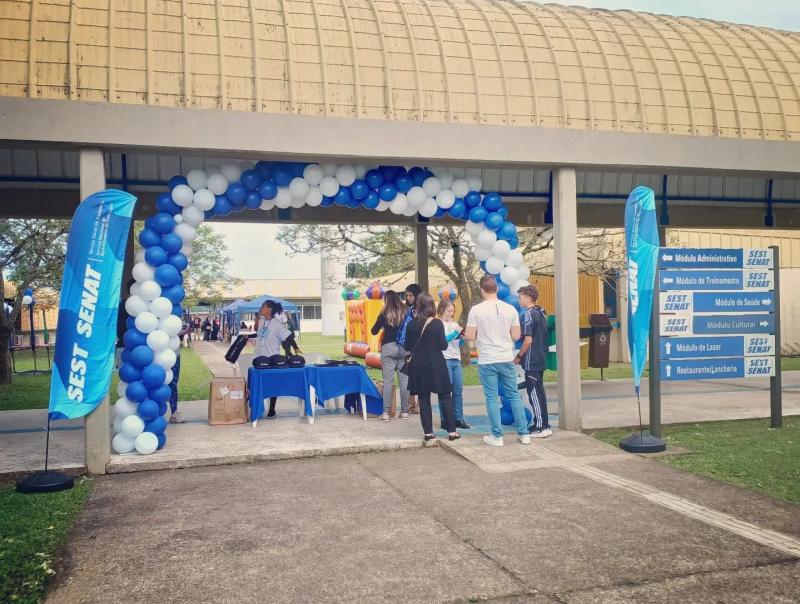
[[172, 243], [142, 356], [174, 293], [404, 183], [250, 179], [513, 242], [147, 409], [417, 176], [387, 192], [155, 256], [492, 202], [482, 264], [253, 200], [162, 438], [506, 415], [163, 223], [130, 323], [167, 275], [150, 222], [458, 209], [136, 391], [129, 372], [177, 310], [502, 290], [472, 199], [359, 189], [164, 203], [179, 261], [177, 180], [372, 200], [209, 214], [156, 426], [342, 196], [507, 231], [282, 175], [236, 193], [440, 212], [374, 178], [513, 300], [264, 169], [493, 221], [477, 214], [160, 393], [267, 189], [353, 203], [327, 201], [297, 168], [503, 211], [389, 173], [125, 355], [222, 206], [153, 376], [149, 238], [133, 338]]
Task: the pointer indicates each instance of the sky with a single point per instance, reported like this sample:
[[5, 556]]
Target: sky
[[255, 253]]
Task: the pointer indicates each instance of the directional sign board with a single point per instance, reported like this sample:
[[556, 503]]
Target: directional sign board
[[716, 302], [693, 258], [716, 280], [717, 347], [687, 325], [708, 369]]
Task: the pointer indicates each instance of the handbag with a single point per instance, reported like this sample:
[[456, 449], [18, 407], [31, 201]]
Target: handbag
[[405, 368]]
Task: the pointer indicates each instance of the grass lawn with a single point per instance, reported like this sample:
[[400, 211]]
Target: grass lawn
[[746, 453], [33, 528], [33, 391]]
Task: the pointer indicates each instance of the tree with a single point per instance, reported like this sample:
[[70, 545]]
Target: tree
[[207, 277], [32, 254]]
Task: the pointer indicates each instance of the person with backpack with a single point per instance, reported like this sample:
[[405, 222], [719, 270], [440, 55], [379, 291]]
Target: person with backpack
[[531, 357]]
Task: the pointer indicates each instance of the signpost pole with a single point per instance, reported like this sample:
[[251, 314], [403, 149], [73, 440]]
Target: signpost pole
[[775, 390], [654, 380]]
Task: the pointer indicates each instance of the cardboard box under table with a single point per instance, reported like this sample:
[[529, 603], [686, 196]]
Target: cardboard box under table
[[227, 401]]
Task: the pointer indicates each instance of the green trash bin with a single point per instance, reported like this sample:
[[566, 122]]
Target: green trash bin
[[550, 362]]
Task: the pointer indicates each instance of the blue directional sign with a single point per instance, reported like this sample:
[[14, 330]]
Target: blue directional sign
[[716, 280], [694, 258], [717, 347], [706, 369], [687, 325], [734, 302]]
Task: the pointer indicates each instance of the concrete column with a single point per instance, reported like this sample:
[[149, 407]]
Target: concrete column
[[421, 255], [565, 229], [98, 422], [333, 272]]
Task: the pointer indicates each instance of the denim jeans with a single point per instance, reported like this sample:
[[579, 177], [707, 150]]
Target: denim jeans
[[502, 375], [456, 373], [393, 357]]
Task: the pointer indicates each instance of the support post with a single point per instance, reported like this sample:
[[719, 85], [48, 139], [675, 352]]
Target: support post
[[654, 379], [565, 231], [421, 255], [98, 422], [775, 382]]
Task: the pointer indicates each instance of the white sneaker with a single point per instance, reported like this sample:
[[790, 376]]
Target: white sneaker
[[176, 418], [493, 441], [385, 417], [542, 433], [524, 439], [404, 416]]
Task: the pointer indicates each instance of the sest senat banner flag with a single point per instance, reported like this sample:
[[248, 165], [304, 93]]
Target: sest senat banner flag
[[641, 239], [87, 313]]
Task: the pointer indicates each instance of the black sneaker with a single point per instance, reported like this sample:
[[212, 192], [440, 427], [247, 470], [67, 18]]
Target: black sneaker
[[463, 425], [271, 414]]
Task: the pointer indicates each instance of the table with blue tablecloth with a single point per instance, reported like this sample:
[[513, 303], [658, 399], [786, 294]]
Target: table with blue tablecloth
[[312, 383]]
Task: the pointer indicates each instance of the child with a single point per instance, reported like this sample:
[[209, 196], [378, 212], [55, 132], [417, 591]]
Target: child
[[532, 356], [452, 357]]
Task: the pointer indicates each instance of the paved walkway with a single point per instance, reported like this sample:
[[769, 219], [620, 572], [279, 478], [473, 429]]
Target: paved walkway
[[568, 519]]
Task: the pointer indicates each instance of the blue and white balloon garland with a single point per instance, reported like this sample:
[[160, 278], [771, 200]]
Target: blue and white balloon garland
[[154, 305]]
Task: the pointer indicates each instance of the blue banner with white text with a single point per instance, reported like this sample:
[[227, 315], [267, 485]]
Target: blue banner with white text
[[642, 244], [87, 313]]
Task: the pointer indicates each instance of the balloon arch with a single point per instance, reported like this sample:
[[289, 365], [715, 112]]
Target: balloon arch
[[154, 305]]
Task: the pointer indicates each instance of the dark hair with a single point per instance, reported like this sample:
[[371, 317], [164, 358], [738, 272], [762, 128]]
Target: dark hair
[[415, 289], [442, 307], [274, 307], [489, 284], [530, 291], [393, 309], [425, 306]]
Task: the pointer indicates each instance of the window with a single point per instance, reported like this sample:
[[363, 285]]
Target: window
[[312, 311]]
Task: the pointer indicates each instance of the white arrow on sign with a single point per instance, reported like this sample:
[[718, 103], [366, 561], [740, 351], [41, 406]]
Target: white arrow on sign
[[667, 280], [668, 348], [666, 258], [766, 301], [764, 323], [669, 370]]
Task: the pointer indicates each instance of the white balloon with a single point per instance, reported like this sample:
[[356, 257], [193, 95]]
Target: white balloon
[[217, 184], [186, 232], [168, 378], [146, 443], [446, 179], [212, 169], [298, 188], [494, 265], [473, 227], [460, 187], [161, 307], [501, 249], [116, 425], [445, 199], [410, 210], [186, 250], [398, 205], [329, 186], [204, 200], [123, 407], [314, 197], [514, 258], [157, 340], [432, 186], [328, 169], [267, 204], [313, 174], [524, 272], [174, 343], [121, 389], [197, 179], [474, 237], [149, 290], [475, 183], [297, 203], [361, 171], [146, 322], [143, 272], [166, 358], [231, 171], [481, 253], [177, 218], [121, 443], [136, 305], [382, 206], [135, 288], [429, 208], [139, 257], [132, 426], [345, 175], [520, 284], [509, 275], [284, 198], [487, 238], [182, 195], [192, 216], [170, 325], [416, 196]]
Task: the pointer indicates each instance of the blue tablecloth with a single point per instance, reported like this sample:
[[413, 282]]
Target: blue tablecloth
[[329, 382]]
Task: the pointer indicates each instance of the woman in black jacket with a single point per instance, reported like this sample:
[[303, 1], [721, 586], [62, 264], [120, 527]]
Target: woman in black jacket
[[427, 372]]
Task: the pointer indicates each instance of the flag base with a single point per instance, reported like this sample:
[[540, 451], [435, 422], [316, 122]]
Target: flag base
[[47, 481], [642, 442]]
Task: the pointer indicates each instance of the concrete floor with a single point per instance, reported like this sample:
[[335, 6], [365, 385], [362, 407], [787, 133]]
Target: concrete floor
[[567, 519]]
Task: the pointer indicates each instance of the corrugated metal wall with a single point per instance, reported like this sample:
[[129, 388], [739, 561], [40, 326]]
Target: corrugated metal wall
[[590, 293]]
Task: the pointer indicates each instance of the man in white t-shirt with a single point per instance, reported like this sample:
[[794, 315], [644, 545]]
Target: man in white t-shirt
[[494, 325]]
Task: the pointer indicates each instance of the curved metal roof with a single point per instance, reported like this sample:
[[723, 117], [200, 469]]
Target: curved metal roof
[[461, 61]]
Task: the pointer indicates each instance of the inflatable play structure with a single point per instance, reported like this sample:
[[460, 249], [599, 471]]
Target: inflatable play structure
[[360, 316]]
